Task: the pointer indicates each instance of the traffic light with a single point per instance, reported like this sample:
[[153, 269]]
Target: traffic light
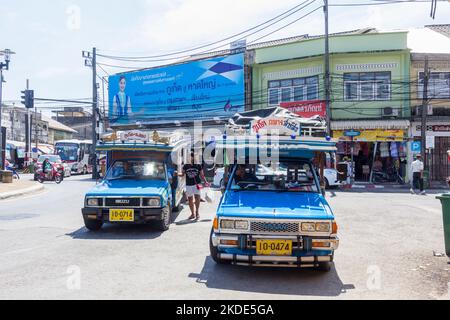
[[28, 99]]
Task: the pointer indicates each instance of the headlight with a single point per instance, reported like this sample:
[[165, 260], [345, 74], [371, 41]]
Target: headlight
[[227, 224], [241, 225], [152, 202], [308, 227], [92, 202], [323, 227]]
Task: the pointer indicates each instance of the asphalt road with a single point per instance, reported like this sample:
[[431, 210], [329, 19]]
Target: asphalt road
[[387, 244]]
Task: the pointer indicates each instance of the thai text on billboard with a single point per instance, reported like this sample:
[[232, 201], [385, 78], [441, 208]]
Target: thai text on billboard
[[203, 89]]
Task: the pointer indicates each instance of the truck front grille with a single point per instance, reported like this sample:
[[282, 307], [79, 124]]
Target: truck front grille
[[269, 227], [123, 202]]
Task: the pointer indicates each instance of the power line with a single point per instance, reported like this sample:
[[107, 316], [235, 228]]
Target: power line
[[294, 9], [216, 48]]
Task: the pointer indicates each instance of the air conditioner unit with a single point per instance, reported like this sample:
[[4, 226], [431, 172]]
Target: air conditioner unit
[[390, 112]]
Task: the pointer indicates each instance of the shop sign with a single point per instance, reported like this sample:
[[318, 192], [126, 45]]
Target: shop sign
[[352, 133], [430, 142], [372, 135], [281, 125], [134, 135], [306, 109], [416, 147]]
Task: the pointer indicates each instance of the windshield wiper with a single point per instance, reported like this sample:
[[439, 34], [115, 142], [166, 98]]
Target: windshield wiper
[[122, 178]]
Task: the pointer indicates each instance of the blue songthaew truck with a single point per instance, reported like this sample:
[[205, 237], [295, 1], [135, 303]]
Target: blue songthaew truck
[[140, 185], [273, 212]]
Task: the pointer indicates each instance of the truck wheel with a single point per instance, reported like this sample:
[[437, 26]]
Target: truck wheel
[[214, 252], [164, 224], [93, 225], [178, 208]]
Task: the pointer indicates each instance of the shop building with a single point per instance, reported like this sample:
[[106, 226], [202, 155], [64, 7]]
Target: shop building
[[370, 74], [438, 111]]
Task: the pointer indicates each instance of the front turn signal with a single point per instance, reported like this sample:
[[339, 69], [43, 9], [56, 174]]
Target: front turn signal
[[216, 223], [335, 228]]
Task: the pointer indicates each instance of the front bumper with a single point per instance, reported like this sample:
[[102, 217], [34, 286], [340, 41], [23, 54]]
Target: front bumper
[[140, 215], [303, 254]]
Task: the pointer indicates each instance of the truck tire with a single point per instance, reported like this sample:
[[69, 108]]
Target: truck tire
[[215, 253], [93, 225], [164, 223]]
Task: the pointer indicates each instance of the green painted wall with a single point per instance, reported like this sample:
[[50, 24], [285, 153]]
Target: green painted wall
[[300, 60]]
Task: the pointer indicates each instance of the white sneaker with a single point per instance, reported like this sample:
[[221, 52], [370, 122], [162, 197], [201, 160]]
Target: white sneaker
[[412, 191], [423, 193]]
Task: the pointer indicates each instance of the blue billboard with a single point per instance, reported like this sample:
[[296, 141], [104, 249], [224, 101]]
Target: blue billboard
[[202, 89]]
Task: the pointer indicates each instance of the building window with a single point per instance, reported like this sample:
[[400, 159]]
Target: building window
[[293, 90], [367, 86], [438, 85]]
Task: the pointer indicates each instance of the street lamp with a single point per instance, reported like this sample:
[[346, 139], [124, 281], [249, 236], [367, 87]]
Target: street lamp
[[3, 65]]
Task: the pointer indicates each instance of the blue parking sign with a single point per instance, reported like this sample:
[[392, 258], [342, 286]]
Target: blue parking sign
[[416, 146]]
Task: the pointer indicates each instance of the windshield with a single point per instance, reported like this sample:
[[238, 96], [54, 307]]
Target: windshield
[[136, 170], [280, 176], [67, 151], [52, 159]]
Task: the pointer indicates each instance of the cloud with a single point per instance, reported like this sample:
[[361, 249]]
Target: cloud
[[192, 22], [51, 72]]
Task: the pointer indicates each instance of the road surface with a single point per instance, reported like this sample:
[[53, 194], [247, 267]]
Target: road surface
[[386, 252]]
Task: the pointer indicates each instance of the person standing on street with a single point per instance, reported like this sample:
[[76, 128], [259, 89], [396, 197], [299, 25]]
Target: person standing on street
[[417, 171], [194, 177]]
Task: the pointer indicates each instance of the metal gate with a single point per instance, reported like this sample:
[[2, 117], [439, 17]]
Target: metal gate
[[438, 159]]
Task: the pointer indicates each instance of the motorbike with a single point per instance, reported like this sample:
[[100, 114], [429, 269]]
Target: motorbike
[[13, 169], [56, 174], [392, 175]]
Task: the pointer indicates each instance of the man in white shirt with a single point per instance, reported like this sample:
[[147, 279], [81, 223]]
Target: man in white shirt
[[417, 171]]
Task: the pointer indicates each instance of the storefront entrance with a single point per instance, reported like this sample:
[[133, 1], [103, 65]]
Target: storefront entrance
[[378, 156], [378, 162], [438, 159]]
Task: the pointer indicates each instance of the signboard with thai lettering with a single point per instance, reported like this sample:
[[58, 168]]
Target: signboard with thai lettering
[[134, 135], [276, 125], [306, 109]]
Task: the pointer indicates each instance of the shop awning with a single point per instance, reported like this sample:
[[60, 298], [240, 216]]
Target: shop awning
[[370, 125]]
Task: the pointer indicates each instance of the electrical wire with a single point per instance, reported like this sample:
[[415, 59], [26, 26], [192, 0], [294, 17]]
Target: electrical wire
[[211, 49], [294, 9]]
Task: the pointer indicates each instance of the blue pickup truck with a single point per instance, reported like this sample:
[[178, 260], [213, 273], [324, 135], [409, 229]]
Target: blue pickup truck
[[275, 213], [139, 185]]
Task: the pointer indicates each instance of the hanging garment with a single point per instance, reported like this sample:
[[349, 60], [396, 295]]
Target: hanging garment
[[394, 150], [384, 150], [356, 149]]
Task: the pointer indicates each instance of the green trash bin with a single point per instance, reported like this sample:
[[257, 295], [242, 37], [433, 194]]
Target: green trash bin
[[445, 200]]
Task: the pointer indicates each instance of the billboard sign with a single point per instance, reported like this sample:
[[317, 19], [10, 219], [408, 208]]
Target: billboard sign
[[306, 109], [195, 90]]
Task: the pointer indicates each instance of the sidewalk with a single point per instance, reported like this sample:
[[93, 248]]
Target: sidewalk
[[19, 188], [359, 186]]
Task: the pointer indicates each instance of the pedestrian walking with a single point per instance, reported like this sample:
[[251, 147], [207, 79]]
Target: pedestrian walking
[[417, 171], [194, 176]]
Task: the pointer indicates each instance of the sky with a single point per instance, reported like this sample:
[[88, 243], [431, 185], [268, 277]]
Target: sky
[[48, 36]]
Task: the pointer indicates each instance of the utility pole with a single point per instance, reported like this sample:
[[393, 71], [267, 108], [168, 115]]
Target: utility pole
[[7, 53], [94, 112], [27, 132], [2, 147], [327, 70], [425, 113]]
